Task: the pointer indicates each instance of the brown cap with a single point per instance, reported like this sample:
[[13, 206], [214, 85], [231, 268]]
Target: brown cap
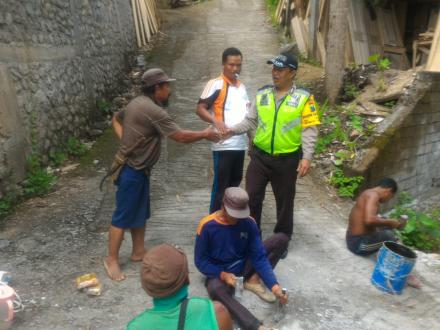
[[235, 201], [164, 270], [155, 76]]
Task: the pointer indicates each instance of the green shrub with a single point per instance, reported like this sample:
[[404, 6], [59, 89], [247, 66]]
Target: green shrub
[[75, 147], [347, 186], [382, 64], [422, 231], [57, 158], [5, 207], [104, 106], [272, 6], [356, 123], [38, 180], [351, 91], [39, 183]]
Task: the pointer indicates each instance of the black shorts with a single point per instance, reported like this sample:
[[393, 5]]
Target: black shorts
[[367, 244]]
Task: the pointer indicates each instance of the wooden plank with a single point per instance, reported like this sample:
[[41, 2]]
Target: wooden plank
[[299, 8], [388, 27], [298, 30], [321, 51], [433, 63], [313, 25], [391, 37], [401, 14], [358, 32], [136, 25], [140, 22], [144, 16], [373, 34], [279, 10], [349, 57], [151, 16]]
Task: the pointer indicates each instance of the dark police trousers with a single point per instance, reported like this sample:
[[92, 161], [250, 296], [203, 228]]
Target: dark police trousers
[[280, 171]]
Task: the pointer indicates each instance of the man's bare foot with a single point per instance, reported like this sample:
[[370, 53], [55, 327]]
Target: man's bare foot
[[113, 269], [136, 257], [413, 281]]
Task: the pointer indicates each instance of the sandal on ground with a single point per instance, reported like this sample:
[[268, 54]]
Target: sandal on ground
[[261, 291]]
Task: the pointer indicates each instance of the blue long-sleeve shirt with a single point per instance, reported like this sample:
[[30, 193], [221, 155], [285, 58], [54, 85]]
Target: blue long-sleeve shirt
[[226, 248]]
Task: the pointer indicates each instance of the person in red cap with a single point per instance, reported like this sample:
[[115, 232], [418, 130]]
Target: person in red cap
[[228, 244], [141, 126], [164, 276]]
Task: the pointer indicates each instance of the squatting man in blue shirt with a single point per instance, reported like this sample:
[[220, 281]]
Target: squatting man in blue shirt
[[228, 244]]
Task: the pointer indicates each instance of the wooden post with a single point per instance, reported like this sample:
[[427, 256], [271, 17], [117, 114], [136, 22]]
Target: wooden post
[[313, 24], [335, 52], [433, 63]]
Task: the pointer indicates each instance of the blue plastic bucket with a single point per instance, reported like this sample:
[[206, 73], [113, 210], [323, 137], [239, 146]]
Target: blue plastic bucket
[[394, 263]]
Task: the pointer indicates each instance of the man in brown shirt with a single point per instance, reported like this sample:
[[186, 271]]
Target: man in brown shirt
[[141, 127]]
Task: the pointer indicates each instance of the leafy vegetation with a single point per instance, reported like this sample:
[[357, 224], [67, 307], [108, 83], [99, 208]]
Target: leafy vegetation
[[57, 158], [104, 106], [351, 91], [38, 180], [347, 186], [422, 231], [272, 6], [390, 104], [303, 58], [75, 147], [382, 64], [341, 132], [5, 207]]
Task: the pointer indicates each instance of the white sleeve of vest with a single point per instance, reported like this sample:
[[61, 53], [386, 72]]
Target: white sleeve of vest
[[309, 136], [249, 123]]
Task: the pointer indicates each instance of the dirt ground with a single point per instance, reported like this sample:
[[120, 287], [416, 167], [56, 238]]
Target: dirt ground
[[48, 241]]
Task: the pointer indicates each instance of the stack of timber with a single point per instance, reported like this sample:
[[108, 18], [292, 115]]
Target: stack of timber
[[372, 30], [145, 20]]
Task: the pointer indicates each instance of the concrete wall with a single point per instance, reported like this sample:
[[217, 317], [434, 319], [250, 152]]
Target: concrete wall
[[57, 58], [412, 156]]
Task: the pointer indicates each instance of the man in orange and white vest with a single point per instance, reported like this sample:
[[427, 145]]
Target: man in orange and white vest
[[224, 103]]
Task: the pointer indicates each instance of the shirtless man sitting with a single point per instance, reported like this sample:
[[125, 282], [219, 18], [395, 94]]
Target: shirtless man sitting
[[366, 229]]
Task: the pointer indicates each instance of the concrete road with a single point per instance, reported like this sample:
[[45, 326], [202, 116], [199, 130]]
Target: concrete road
[[50, 240]]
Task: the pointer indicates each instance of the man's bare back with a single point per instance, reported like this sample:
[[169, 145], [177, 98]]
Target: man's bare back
[[364, 217]]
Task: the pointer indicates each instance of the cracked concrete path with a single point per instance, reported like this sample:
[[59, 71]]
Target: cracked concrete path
[[57, 237]]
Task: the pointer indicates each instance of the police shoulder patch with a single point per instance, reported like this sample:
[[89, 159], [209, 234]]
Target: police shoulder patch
[[264, 88], [302, 91]]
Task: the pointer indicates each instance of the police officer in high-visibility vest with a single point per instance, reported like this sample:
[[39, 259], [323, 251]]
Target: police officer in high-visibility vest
[[285, 120]]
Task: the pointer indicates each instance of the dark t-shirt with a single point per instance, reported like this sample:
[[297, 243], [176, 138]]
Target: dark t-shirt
[[144, 124]]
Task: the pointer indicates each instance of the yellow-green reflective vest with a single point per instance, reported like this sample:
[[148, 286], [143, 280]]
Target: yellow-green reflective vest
[[279, 129]]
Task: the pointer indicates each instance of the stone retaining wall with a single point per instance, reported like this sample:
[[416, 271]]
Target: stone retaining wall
[[412, 156], [57, 59]]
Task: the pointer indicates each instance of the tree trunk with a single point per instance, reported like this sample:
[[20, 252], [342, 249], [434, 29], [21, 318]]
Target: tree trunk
[[335, 58]]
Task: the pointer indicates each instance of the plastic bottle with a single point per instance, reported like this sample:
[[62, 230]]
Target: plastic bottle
[[239, 287], [280, 313]]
